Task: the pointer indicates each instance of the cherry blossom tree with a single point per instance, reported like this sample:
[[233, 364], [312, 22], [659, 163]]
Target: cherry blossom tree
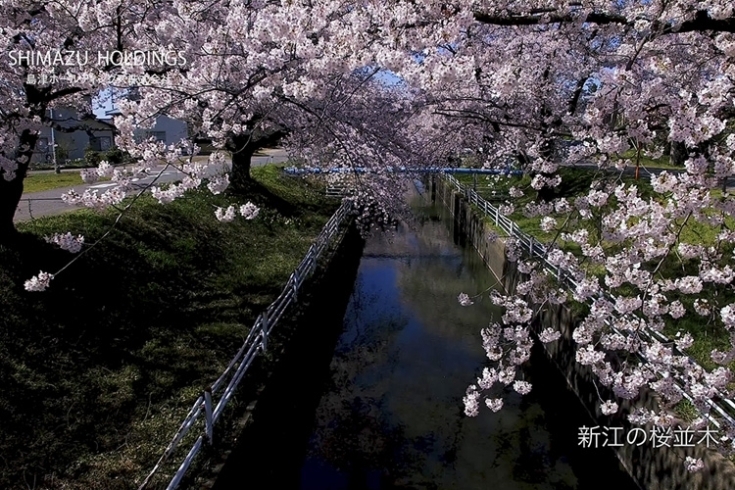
[[77, 48], [261, 72], [616, 77], [254, 73], [61, 54], [517, 77], [46, 28], [249, 67], [377, 128]]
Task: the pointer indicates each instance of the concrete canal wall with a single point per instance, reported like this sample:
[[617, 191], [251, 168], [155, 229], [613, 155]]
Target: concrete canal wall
[[654, 468], [263, 442]]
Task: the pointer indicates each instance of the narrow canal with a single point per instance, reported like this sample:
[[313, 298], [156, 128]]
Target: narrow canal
[[390, 414]]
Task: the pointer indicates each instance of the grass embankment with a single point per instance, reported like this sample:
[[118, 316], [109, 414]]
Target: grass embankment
[[707, 333], [575, 182], [99, 370]]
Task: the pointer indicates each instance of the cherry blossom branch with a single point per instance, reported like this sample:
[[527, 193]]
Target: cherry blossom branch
[[114, 224]]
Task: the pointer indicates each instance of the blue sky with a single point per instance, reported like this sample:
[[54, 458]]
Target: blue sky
[[101, 104]]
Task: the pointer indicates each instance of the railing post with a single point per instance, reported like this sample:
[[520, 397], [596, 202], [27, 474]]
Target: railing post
[[264, 329], [295, 287], [530, 245], [208, 420]]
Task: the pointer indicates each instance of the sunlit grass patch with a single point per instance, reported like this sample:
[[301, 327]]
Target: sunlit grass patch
[[39, 182]]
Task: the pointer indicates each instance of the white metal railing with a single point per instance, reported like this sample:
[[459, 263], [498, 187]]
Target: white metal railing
[[211, 403], [336, 190], [725, 407]]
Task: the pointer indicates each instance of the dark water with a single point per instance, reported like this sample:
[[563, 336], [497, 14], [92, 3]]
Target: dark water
[[392, 415]]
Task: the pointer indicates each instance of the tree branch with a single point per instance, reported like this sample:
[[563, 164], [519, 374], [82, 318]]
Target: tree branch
[[700, 23]]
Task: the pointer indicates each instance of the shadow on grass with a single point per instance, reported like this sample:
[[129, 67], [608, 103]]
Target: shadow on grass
[[263, 197], [78, 359], [99, 370]]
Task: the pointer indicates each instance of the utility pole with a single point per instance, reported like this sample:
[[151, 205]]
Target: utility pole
[[53, 145]]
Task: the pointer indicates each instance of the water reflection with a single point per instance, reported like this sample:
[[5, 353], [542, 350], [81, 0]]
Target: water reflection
[[392, 415]]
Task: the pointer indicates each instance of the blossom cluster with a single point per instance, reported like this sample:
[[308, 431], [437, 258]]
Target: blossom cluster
[[67, 241], [39, 282], [248, 211]]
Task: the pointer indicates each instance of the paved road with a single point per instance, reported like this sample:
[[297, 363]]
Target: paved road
[[48, 203]]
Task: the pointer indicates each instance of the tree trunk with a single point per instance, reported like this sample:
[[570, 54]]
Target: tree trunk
[[679, 153], [240, 178], [243, 147], [11, 191], [10, 194]]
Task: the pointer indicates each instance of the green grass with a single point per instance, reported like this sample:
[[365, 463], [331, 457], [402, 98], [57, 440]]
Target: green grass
[[575, 182], [98, 371], [39, 182], [686, 411], [79, 163]]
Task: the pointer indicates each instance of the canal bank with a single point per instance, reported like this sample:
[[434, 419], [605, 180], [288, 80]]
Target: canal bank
[[386, 408], [655, 468], [101, 369], [282, 393]]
